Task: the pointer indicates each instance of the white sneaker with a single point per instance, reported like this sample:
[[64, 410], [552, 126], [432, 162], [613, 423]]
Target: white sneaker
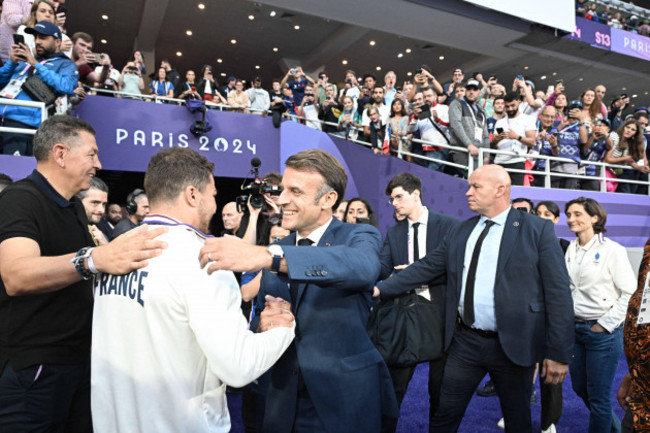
[[550, 429], [501, 424]]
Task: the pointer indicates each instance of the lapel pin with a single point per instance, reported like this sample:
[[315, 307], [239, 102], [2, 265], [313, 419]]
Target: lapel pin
[[327, 244], [516, 223]]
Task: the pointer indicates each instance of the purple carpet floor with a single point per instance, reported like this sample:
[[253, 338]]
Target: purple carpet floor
[[482, 414]]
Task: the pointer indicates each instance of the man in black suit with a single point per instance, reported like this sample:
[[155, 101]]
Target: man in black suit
[[421, 231], [507, 303]]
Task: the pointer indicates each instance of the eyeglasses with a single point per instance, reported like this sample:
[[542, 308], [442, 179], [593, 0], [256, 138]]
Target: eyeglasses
[[397, 198]]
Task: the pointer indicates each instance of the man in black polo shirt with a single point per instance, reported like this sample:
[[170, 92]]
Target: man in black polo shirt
[[45, 287]]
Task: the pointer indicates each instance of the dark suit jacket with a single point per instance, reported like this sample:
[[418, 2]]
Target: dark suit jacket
[[534, 308], [345, 376], [106, 228], [395, 250]]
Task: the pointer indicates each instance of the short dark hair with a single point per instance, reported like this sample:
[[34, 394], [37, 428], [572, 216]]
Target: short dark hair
[[500, 97], [95, 183], [408, 181], [640, 114], [170, 171], [593, 208], [433, 89], [371, 213], [58, 129], [551, 206], [327, 166], [511, 96], [525, 200], [368, 74]]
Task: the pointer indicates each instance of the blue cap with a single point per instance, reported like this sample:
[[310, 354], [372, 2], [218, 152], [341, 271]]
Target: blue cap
[[45, 28], [641, 109]]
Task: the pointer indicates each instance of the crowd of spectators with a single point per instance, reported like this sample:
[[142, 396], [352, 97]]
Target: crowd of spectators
[[622, 16], [421, 118]]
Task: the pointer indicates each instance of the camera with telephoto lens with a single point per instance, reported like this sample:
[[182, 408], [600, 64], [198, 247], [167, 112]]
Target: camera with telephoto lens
[[255, 190]]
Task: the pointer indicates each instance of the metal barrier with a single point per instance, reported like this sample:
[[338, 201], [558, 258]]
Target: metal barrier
[[28, 104]]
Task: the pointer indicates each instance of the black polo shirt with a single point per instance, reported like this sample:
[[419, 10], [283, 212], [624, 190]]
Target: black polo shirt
[[54, 327]]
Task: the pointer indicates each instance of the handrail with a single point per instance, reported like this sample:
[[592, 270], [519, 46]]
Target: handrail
[[28, 104]]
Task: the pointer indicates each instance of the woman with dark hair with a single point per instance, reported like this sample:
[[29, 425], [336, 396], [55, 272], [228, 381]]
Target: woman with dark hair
[[208, 87], [628, 149], [359, 207], [591, 107], [602, 281], [399, 127], [160, 86], [560, 104]]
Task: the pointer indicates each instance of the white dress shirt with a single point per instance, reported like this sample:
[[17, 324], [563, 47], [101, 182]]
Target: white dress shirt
[[422, 246], [486, 271], [602, 281]]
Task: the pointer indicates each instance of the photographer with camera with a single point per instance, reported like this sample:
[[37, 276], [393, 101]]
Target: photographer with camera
[[27, 78], [298, 82], [321, 87], [515, 133], [423, 79], [432, 124], [449, 90], [188, 89], [595, 149], [308, 108], [571, 139], [351, 87], [330, 110], [131, 80]]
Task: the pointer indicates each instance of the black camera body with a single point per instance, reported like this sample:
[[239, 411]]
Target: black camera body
[[255, 190]]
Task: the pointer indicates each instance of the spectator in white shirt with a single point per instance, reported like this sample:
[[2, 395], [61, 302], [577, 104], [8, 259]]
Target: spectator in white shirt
[[602, 281], [514, 133]]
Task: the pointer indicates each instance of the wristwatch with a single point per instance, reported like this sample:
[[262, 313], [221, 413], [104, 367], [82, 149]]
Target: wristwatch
[[277, 253]]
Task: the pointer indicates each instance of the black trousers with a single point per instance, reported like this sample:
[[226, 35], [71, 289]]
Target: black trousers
[[47, 397], [401, 377], [16, 144], [469, 358]]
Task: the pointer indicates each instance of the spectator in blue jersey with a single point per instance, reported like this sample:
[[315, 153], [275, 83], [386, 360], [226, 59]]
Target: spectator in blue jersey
[[297, 83], [55, 69], [288, 99], [595, 150], [160, 86], [544, 141], [572, 136]]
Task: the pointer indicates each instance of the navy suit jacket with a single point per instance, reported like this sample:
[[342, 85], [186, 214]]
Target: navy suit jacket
[[346, 377], [533, 303], [395, 249]]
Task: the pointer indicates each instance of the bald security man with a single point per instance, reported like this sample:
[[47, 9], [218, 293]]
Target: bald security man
[[508, 303]]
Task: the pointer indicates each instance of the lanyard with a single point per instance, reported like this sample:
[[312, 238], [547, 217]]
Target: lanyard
[[568, 127], [474, 117]]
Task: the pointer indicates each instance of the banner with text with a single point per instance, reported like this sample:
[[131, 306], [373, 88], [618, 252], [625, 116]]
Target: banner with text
[[130, 132], [619, 41]]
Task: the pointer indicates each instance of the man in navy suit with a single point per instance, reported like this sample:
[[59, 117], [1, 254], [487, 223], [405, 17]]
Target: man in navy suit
[[331, 378], [421, 231], [508, 303]]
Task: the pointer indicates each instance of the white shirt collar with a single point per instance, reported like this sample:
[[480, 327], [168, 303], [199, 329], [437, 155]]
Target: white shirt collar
[[597, 238], [315, 235], [424, 218]]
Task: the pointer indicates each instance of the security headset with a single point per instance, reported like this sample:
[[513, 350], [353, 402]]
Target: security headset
[[131, 206]]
